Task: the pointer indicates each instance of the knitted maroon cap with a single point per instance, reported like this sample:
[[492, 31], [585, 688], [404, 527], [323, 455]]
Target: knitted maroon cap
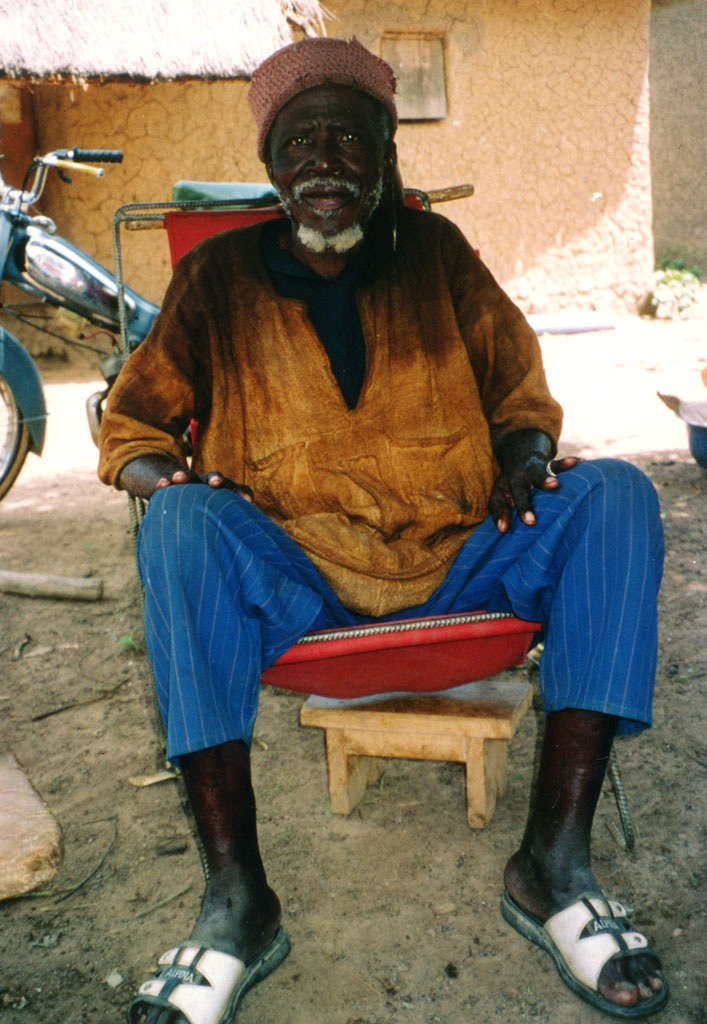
[[317, 61]]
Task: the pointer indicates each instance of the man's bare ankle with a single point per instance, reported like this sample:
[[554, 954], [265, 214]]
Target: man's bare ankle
[[544, 885], [238, 922]]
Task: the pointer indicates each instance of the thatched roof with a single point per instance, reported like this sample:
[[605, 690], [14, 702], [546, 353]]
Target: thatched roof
[[147, 39]]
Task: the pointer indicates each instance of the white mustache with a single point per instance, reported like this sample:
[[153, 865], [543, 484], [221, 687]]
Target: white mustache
[[327, 182]]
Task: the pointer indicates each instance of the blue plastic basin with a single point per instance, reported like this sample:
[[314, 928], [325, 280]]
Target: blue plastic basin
[[697, 437]]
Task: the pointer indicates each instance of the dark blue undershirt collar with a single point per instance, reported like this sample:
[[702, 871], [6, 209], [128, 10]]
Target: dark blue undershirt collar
[[331, 306]]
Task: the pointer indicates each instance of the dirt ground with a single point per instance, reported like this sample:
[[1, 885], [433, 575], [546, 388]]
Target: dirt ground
[[393, 912]]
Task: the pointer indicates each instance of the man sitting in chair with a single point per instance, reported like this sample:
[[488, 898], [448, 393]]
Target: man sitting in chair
[[375, 440]]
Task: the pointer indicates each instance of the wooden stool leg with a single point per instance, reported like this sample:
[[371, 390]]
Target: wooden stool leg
[[349, 774], [497, 765], [486, 777]]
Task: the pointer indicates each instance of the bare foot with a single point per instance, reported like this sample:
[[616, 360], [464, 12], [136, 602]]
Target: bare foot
[[623, 981]]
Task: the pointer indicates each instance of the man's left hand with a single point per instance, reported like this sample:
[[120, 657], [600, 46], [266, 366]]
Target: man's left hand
[[526, 462]]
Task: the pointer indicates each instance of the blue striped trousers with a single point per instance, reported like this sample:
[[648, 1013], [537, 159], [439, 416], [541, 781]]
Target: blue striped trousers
[[227, 592]]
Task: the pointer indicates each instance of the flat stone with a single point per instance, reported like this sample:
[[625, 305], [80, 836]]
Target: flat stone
[[31, 845]]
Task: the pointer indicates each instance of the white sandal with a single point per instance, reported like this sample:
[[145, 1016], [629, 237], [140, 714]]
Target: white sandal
[[203, 985], [581, 939]]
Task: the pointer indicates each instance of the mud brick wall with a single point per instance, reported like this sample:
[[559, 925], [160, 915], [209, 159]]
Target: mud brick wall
[[678, 76], [547, 115]]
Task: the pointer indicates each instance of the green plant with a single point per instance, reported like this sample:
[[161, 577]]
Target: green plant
[[128, 643], [675, 288]]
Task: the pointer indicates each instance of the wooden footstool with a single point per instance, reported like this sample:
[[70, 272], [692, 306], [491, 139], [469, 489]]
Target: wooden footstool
[[471, 724]]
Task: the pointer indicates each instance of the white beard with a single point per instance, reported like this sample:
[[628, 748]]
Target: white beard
[[342, 241]]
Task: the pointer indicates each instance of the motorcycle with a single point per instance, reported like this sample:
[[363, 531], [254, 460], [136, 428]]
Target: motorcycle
[[57, 273]]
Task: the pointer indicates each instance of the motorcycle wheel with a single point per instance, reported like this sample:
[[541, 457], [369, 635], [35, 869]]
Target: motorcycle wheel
[[14, 439]]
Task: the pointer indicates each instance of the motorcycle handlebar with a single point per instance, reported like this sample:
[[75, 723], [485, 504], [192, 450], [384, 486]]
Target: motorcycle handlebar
[[97, 156], [71, 165], [62, 159]]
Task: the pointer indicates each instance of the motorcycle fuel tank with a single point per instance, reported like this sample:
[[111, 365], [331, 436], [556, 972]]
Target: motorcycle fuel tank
[[71, 278]]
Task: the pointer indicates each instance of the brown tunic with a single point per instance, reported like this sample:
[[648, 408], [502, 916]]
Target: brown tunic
[[381, 497]]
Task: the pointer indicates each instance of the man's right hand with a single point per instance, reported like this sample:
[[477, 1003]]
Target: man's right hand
[[149, 473]]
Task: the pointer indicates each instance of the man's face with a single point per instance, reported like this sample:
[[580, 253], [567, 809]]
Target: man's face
[[327, 157]]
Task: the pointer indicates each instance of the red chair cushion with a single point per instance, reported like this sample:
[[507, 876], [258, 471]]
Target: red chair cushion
[[420, 655]]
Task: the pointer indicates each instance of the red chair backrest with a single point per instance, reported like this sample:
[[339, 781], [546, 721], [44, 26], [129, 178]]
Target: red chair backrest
[[187, 227]]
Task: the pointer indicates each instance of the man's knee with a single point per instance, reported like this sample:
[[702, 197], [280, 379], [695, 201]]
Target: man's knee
[[189, 507], [179, 519], [169, 510], [624, 489]]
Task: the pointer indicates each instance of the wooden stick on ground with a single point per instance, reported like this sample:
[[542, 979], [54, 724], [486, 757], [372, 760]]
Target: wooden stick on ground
[[37, 584]]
